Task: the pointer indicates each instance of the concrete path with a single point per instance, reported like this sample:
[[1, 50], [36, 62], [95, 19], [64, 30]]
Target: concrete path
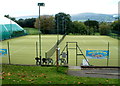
[[99, 73], [74, 67]]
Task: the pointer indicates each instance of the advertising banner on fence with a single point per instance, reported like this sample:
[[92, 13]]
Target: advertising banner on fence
[[97, 54], [3, 52]]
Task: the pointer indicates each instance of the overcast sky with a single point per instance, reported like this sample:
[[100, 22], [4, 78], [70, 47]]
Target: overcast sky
[[29, 7]]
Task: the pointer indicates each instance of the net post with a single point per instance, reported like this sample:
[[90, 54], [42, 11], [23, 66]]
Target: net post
[[9, 52]]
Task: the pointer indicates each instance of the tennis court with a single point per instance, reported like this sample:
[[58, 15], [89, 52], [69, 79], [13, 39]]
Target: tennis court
[[23, 51]]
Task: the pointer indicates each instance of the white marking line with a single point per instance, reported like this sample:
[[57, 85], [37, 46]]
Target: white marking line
[[15, 51]]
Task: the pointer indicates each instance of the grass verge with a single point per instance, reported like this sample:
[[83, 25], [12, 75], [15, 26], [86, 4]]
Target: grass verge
[[31, 31], [12, 74]]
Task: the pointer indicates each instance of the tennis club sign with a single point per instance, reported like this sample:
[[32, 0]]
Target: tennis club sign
[[3, 52], [97, 54]]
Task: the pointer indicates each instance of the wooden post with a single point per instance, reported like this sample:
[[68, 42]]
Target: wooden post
[[108, 55], [67, 52], [9, 52]]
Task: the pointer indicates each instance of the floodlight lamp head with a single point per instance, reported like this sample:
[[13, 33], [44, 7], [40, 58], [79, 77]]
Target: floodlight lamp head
[[41, 4]]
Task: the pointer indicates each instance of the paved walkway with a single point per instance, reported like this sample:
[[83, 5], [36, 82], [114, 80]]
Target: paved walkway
[[74, 67], [99, 73]]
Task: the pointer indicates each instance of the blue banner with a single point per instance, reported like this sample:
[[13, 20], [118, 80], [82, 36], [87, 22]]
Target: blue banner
[[3, 52], [97, 54]]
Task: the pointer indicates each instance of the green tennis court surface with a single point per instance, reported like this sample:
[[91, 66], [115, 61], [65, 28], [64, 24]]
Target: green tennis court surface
[[23, 49]]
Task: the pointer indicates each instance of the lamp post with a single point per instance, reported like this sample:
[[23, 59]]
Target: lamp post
[[40, 4]]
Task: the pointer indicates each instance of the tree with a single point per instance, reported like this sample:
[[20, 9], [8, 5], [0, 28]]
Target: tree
[[104, 29], [63, 22], [78, 27], [89, 30], [12, 18], [47, 24], [27, 22], [92, 24], [21, 22], [7, 16], [116, 25]]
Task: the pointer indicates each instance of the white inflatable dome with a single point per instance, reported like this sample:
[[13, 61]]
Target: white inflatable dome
[[9, 29]]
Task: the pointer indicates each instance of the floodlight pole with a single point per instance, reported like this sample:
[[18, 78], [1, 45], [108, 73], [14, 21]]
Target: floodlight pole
[[40, 4]]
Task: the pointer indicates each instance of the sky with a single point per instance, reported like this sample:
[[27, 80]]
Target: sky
[[16, 8]]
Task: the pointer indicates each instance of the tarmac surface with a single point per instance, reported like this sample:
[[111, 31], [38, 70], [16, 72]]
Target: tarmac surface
[[113, 73]]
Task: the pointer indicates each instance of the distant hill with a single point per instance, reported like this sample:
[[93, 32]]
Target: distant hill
[[84, 17], [93, 16]]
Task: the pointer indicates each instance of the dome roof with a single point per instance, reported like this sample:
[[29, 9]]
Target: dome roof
[[4, 20], [9, 28]]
